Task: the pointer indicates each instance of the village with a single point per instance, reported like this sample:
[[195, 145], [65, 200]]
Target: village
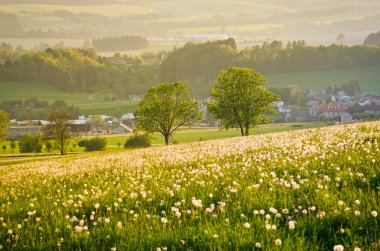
[[321, 106]]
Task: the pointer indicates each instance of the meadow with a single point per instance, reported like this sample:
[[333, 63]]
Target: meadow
[[313, 189], [368, 77]]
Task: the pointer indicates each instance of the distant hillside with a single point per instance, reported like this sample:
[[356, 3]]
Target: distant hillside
[[373, 39], [60, 2]]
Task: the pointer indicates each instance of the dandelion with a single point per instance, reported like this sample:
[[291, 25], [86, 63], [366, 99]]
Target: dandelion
[[19, 226], [10, 231], [119, 225], [107, 220], [97, 205], [164, 220], [247, 225], [338, 247], [340, 203], [357, 213], [278, 242], [357, 249], [357, 202], [215, 236], [374, 213], [292, 225], [258, 245]]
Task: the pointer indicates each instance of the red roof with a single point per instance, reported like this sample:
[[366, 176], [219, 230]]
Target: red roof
[[330, 108]]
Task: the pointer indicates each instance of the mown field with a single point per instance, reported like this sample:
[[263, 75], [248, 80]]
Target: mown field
[[368, 77], [314, 189]]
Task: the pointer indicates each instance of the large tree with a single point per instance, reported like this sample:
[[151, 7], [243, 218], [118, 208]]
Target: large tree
[[4, 122], [239, 99], [165, 108], [59, 129]]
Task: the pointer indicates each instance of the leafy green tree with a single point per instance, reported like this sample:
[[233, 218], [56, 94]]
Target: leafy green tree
[[12, 145], [4, 123], [239, 99], [29, 143], [165, 108], [59, 129]]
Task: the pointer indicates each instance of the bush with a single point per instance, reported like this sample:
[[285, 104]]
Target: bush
[[29, 143], [83, 143], [138, 141], [95, 144]]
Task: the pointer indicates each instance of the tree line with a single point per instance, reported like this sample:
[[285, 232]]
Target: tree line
[[195, 64], [74, 70]]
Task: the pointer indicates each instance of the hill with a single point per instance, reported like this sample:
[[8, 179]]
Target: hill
[[302, 190]]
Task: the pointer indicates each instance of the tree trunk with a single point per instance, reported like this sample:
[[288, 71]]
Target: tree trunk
[[246, 130], [166, 139], [241, 130]]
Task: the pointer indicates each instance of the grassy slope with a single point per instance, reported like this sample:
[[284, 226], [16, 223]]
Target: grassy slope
[[203, 196], [368, 77]]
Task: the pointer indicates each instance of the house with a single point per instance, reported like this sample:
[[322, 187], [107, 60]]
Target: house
[[298, 116], [328, 110], [345, 118], [15, 132], [373, 108], [122, 129], [281, 107]]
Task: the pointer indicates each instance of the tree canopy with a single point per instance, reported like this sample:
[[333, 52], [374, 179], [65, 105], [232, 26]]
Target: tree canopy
[[165, 108], [59, 129], [240, 99]]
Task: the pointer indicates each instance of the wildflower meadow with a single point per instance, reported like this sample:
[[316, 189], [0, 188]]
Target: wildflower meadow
[[314, 189]]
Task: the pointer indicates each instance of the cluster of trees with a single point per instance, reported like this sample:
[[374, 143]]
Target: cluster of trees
[[75, 70], [291, 95], [352, 88], [34, 108], [120, 43], [197, 63], [373, 39], [58, 134], [239, 99]]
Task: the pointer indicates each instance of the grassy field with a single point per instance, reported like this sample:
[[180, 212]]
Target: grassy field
[[11, 90], [368, 77], [314, 189]]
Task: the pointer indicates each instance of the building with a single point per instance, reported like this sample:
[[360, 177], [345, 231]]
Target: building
[[329, 111], [372, 108], [15, 132]]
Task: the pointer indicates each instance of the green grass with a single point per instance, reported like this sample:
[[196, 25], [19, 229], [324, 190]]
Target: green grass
[[302, 190], [368, 77], [110, 108], [11, 90], [200, 134]]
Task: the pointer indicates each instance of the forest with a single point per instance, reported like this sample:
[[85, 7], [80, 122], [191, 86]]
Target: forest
[[196, 64]]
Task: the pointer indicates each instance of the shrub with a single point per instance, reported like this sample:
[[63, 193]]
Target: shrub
[[95, 144], [29, 143], [138, 141], [83, 143]]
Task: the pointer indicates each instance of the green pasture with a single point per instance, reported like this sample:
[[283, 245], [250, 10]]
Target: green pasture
[[368, 77], [110, 108], [199, 134], [13, 90]]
